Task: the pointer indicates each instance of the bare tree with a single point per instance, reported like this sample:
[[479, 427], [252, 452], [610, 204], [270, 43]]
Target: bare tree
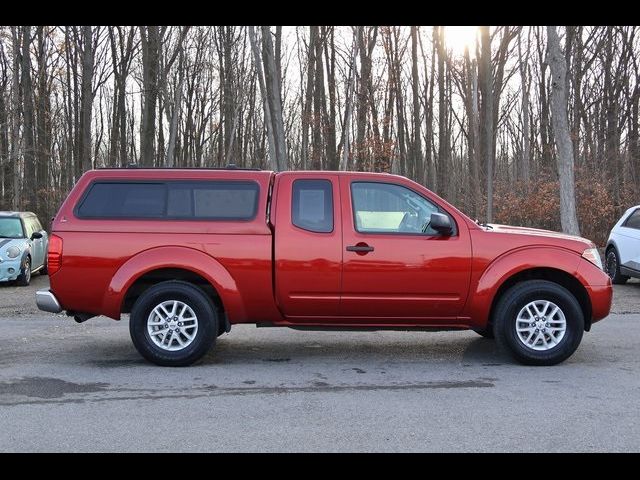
[[269, 88], [416, 152], [523, 59], [88, 54], [150, 37], [561, 133], [486, 115]]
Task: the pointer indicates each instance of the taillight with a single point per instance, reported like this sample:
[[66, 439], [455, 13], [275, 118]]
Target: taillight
[[54, 258]]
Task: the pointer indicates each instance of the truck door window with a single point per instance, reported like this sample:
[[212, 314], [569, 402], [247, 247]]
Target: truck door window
[[389, 208], [312, 205]]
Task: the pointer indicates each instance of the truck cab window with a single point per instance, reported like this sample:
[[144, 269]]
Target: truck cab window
[[389, 208], [312, 205]]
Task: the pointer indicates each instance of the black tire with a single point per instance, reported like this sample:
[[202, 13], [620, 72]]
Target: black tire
[[612, 267], [520, 295], [203, 308], [43, 270], [24, 278], [486, 333]]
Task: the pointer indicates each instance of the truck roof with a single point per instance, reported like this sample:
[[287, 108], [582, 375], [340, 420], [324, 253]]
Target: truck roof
[[190, 174], [168, 172]]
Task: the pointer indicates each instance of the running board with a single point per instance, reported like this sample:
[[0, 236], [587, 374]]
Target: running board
[[337, 328]]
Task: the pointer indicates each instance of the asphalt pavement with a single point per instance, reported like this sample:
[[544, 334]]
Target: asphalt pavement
[[67, 387]]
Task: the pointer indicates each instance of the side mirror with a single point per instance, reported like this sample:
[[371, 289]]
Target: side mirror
[[441, 223], [36, 235]]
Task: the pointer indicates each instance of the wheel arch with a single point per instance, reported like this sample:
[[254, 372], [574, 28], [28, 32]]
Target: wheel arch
[[560, 277], [546, 263], [168, 263], [154, 277]]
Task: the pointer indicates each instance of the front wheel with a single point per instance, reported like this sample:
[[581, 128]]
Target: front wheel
[[486, 333], [612, 266], [24, 278], [173, 324], [538, 322]]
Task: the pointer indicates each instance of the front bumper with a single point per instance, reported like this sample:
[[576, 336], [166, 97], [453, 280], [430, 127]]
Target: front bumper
[[598, 287], [601, 298], [10, 269], [47, 301]]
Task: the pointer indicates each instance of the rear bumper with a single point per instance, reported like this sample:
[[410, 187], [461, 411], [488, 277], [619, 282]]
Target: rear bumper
[[47, 301]]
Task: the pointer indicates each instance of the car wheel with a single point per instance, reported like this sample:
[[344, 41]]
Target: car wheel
[[612, 266], [486, 332], [173, 324], [25, 273], [538, 322]]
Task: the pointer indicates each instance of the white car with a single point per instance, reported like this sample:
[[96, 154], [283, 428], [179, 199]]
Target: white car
[[622, 257]]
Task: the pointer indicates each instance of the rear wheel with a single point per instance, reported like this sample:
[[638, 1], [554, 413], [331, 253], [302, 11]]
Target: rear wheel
[[173, 324], [612, 266], [25, 273], [538, 322], [43, 270]]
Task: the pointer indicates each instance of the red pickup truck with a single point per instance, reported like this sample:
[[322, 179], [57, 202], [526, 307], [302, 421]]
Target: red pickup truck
[[191, 252]]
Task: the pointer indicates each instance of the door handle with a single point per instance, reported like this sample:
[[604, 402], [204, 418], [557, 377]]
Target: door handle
[[359, 248]]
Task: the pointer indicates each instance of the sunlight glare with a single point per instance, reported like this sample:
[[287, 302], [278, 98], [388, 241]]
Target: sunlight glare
[[461, 37]]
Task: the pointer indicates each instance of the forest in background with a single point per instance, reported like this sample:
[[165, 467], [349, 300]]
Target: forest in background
[[492, 128]]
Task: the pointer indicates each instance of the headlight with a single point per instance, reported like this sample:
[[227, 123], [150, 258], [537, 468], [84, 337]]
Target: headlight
[[593, 256], [13, 252]]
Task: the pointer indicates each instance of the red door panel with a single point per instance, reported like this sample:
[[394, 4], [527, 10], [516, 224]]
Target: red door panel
[[308, 257], [401, 274]]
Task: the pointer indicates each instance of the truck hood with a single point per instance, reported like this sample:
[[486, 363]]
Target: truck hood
[[543, 236]]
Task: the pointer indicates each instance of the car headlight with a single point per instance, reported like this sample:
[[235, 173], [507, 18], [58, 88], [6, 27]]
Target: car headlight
[[13, 252], [592, 255]]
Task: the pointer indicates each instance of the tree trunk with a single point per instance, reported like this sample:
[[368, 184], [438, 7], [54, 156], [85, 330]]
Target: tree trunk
[[114, 139], [16, 108], [87, 96], [361, 149], [416, 153], [405, 168], [5, 163], [346, 125], [29, 144], [471, 105], [561, 133], [525, 162], [319, 104], [150, 64], [177, 105], [330, 58], [274, 96], [265, 102], [486, 115], [43, 124], [442, 169], [308, 97], [544, 105]]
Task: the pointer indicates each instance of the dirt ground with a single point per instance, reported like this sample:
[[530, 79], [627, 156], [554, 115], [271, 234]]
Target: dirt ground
[[21, 300]]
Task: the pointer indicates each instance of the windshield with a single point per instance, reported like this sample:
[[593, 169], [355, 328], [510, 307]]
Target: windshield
[[11, 228]]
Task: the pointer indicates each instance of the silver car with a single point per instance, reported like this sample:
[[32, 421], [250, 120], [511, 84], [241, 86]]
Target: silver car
[[23, 247]]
